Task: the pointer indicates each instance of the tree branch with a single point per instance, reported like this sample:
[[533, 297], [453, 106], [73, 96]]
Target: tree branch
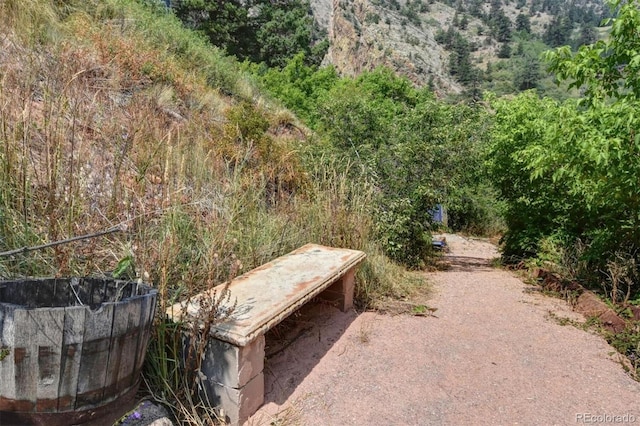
[[112, 230]]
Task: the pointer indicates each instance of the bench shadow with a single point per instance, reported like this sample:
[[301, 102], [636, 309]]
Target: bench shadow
[[467, 263], [295, 346]]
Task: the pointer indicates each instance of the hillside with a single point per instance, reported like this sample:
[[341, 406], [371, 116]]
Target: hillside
[[113, 115], [403, 35]]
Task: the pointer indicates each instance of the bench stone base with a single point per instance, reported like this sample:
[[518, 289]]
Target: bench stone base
[[237, 405], [234, 375], [234, 378], [340, 293], [231, 365]]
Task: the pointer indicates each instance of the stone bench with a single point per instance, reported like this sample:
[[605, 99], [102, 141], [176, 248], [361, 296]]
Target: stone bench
[[265, 296]]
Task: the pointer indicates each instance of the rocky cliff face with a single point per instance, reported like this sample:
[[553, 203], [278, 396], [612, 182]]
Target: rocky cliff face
[[364, 36], [400, 34]]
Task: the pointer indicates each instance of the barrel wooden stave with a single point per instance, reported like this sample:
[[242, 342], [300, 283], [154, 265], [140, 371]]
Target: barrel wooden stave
[[65, 359]]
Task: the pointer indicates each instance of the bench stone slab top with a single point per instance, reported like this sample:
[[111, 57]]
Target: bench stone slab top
[[268, 294]]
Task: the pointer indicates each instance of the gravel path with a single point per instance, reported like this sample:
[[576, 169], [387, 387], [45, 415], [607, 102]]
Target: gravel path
[[492, 355]]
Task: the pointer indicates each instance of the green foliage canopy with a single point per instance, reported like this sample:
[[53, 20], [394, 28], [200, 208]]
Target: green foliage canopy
[[570, 171], [417, 150], [265, 31]]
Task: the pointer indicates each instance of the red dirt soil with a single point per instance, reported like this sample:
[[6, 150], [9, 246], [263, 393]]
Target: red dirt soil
[[494, 353]]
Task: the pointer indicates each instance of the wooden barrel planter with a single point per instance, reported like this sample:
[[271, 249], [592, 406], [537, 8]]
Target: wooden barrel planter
[[71, 349]]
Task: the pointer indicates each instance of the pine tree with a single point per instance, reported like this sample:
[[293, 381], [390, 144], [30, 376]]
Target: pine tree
[[501, 27], [527, 73], [505, 51], [558, 31], [224, 22], [523, 23], [587, 36], [460, 60], [464, 22]]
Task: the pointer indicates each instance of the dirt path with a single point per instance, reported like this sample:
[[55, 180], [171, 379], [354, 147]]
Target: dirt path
[[491, 356]]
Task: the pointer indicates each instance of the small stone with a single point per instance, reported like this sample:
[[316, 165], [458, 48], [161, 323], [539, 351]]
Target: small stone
[[162, 422]]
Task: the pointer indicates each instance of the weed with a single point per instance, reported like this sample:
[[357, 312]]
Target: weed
[[289, 416], [564, 320], [422, 310], [622, 274], [497, 262], [627, 343], [364, 333]]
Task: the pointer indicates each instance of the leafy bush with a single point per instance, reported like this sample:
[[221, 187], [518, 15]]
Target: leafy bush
[[570, 170], [417, 151], [403, 233]]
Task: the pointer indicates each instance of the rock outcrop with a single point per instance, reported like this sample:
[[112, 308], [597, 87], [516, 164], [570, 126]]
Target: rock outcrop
[[364, 36]]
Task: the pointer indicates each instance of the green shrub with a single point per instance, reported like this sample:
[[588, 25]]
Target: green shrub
[[403, 233]]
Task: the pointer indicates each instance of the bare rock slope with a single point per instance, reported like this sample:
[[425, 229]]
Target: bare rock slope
[[363, 36], [401, 34]]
